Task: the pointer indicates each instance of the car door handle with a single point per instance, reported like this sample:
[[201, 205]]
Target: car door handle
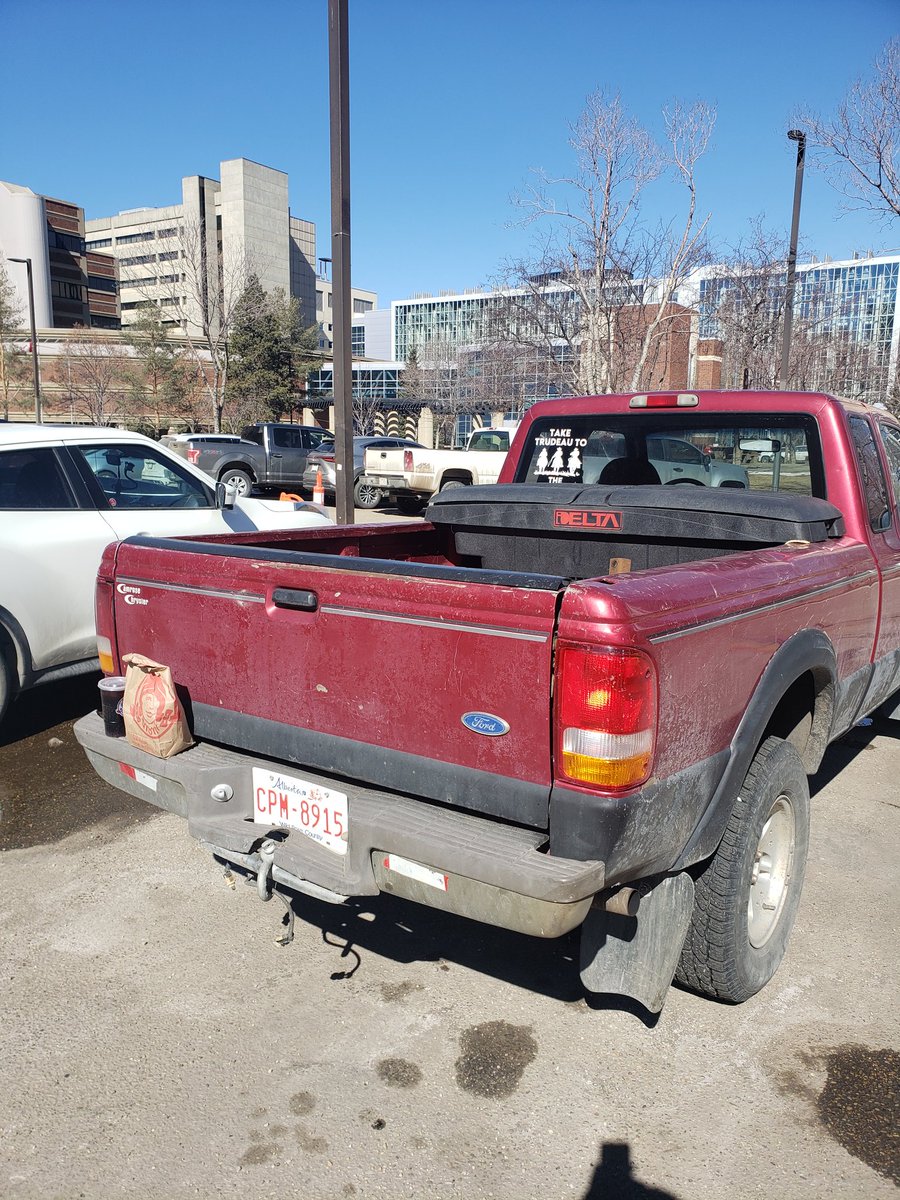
[[292, 598], [275, 456]]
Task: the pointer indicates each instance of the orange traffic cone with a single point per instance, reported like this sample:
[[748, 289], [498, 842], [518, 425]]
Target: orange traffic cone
[[319, 490]]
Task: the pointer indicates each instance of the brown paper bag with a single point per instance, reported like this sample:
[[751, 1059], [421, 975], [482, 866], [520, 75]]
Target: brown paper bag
[[154, 718]]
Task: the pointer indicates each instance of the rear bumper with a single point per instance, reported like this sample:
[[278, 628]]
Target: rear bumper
[[495, 873], [394, 484]]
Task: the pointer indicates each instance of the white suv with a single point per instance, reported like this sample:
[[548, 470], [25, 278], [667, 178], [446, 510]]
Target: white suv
[[66, 492]]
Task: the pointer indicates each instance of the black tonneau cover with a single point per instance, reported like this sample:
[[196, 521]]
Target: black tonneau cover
[[573, 530]]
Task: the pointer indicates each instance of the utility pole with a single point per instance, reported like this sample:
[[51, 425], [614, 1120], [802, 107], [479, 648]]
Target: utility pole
[[339, 93], [798, 136], [35, 367]]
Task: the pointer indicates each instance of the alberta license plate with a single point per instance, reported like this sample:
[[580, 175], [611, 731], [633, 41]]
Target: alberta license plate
[[291, 803]]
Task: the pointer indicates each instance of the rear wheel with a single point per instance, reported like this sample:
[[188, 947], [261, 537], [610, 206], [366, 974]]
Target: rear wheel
[[7, 685], [238, 479], [453, 483], [747, 895], [366, 494]]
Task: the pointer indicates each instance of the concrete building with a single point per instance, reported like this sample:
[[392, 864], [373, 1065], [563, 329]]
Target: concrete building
[[240, 222], [846, 327], [362, 302], [72, 285]]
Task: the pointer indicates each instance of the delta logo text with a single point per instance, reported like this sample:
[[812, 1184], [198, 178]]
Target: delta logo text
[[587, 518]]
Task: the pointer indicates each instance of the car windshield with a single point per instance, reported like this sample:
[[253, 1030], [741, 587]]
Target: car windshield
[[777, 452]]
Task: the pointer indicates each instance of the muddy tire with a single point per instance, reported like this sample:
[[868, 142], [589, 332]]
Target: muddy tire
[[746, 896], [7, 678]]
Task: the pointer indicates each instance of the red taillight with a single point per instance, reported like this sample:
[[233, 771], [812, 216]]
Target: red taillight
[[105, 621], [193, 456], [605, 716], [324, 458], [407, 460]]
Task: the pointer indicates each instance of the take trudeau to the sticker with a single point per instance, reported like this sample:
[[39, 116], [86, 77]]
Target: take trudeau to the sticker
[[560, 456]]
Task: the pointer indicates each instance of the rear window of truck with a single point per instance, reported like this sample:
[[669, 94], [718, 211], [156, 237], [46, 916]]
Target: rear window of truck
[[775, 453]]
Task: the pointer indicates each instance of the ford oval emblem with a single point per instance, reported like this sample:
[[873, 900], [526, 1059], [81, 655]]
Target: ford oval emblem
[[485, 723]]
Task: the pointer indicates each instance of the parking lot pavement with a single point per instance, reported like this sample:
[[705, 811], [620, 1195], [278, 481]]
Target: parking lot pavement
[[156, 1042]]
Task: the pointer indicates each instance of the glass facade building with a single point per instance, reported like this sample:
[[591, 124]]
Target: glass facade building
[[846, 319]]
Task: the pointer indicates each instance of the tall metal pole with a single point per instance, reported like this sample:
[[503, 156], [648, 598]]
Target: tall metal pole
[[339, 90], [35, 365], [798, 136]]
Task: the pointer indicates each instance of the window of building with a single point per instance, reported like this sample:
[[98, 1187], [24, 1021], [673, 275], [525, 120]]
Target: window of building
[[138, 261], [361, 306], [319, 301], [67, 291], [65, 241], [100, 283], [357, 339], [144, 281], [96, 245], [166, 233], [129, 238], [168, 254]]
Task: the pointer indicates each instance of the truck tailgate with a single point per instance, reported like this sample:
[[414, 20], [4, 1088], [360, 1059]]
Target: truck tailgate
[[425, 679]]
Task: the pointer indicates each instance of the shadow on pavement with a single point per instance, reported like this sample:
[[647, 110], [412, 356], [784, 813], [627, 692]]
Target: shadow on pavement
[[613, 1178]]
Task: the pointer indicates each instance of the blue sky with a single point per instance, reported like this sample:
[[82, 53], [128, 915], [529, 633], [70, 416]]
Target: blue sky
[[452, 104]]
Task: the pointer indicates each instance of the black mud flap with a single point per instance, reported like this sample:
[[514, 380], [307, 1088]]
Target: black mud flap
[[637, 956]]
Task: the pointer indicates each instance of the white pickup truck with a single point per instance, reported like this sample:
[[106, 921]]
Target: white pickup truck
[[409, 478]]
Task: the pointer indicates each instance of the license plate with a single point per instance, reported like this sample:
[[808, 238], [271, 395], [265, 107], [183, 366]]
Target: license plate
[[290, 803], [383, 482]]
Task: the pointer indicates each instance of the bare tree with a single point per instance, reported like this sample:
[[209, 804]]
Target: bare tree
[[12, 357], [444, 379], [745, 296], [859, 146], [599, 299], [93, 373], [159, 379], [203, 294]]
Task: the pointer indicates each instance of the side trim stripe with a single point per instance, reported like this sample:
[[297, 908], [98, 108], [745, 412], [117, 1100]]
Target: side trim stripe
[[489, 630], [216, 593], [762, 608]]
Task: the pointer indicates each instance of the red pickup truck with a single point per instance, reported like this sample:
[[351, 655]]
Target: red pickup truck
[[578, 697]]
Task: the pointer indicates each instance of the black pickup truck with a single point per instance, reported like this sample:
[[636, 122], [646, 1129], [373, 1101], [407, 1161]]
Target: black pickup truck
[[268, 455]]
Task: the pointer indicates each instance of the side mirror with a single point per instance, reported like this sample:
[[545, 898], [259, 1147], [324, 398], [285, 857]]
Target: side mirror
[[226, 495]]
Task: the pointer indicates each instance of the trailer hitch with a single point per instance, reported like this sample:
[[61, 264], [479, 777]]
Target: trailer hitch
[[266, 889]]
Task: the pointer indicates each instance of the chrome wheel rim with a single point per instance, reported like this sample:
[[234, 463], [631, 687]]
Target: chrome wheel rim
[[770, 874], [239, 482], [367, 496]]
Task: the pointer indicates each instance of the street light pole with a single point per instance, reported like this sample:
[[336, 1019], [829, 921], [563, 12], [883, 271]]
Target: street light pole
[[798, 136], [342, 381], [36, 371]]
